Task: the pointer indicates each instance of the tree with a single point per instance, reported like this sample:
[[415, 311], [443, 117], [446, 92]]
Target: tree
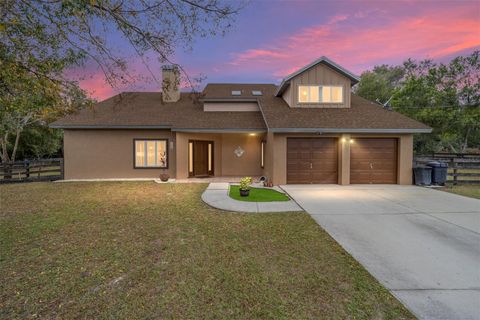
[[40, 40], [443, 96], [379, 84]]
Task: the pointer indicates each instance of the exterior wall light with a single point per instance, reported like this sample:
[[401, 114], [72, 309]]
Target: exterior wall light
[[352, 141]]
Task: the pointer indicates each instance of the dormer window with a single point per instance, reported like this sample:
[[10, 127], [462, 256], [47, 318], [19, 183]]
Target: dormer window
[[320, 94], [236, 92]]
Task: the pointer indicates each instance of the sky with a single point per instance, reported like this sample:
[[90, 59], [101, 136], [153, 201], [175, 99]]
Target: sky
[[270, 39]]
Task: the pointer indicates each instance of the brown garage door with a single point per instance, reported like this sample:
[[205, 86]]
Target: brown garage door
[[373, 161], [312, 160]]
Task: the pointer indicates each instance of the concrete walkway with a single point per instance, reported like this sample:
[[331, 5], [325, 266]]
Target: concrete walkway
[[216, 195], [422, 244]]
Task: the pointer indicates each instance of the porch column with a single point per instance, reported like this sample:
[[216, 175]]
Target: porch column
[[344, 159], [405, 159]]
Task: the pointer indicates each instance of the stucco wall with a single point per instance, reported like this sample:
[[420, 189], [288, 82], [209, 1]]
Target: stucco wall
[[101, 154], [226, 163], [277, 170]]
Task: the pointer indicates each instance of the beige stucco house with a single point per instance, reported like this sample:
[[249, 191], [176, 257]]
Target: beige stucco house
[[309, 129]]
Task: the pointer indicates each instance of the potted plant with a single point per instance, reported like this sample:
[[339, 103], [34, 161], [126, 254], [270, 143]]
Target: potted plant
[[164, 176], [163, 159], [245, 186]]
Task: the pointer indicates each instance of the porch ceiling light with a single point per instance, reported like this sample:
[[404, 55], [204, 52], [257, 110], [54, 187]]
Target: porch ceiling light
[[252, 134]]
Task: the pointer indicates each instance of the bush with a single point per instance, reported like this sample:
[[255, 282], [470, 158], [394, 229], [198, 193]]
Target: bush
[[245, 183]]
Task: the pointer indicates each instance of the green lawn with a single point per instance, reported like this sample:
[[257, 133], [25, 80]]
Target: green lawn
[[257, 195], [471, 190], [141, 250]]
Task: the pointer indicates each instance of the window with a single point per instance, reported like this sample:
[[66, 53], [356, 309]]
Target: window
[[150, 153], [190, 157], [256, 92], [320, 94], [236, 92], [262, 155]]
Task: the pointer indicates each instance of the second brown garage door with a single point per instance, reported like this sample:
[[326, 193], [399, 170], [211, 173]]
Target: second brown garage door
[[373, 161], [312, 160]]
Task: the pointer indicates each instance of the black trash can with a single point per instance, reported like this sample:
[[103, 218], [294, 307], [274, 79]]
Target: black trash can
[[422, 175], [439, 172]]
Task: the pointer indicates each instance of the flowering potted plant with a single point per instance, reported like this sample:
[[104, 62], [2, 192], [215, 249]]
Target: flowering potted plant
[[245, 186], [164, 176]]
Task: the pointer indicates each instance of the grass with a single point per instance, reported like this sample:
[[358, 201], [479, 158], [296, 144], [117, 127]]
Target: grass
[[471, 190], [476, 171], [140, 250], [257, 195]]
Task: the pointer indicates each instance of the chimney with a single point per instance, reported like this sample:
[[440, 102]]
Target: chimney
[[170, 83]]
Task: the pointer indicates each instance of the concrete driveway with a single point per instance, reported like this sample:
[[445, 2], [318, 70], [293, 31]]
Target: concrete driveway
[[422, 244]]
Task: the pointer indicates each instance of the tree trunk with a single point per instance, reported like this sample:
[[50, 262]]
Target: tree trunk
[[465, 141], [17, 139], [4, 142], [452, 148]]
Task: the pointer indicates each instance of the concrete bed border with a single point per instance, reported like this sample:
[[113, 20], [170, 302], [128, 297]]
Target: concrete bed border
[[216, 196]]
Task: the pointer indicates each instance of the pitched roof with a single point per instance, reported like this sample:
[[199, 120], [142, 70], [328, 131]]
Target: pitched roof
[[223, 91], [286, 81], [362, 116], [146, 110]]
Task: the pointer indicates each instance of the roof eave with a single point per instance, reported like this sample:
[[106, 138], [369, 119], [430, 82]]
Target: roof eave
[[351, 130], [107, 126], [228, 100]]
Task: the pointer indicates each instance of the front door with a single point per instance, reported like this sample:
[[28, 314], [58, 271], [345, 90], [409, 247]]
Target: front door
[[202, 158]]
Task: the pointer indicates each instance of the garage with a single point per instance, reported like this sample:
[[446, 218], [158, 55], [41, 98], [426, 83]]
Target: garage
[[312, 160], [373, 161]]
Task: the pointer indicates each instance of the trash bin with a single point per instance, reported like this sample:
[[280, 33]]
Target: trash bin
[[439, 172], [422, 175]]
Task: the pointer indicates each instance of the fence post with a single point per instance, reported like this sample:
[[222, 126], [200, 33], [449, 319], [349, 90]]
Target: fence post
[[62, 169], [26, 164], [454, 166]]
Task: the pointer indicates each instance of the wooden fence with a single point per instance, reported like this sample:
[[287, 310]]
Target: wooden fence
[[462, 168], [31, 170]]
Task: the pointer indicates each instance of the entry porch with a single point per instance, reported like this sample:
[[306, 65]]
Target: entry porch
[[219, 156]]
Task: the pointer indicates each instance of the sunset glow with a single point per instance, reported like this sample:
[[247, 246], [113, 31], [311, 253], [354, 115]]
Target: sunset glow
[[269, 40]]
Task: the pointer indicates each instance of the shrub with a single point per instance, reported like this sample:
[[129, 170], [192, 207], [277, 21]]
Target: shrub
[[245, 183]]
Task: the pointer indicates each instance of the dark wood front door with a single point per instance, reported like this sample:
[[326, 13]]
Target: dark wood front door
[[312, 160], [202, 158], [373, 160]]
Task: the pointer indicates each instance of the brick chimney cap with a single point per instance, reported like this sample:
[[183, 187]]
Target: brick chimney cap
[[169, 67]]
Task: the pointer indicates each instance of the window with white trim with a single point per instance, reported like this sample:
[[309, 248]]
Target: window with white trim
[[151, 153], [320, 94]]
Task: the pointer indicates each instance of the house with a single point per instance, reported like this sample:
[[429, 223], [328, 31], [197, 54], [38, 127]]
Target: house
[[309, 129]]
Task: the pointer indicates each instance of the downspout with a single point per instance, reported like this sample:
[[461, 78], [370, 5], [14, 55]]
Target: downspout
[[268, 168]]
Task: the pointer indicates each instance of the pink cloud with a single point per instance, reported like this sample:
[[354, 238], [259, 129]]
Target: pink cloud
[[96, 86], [435, 35]]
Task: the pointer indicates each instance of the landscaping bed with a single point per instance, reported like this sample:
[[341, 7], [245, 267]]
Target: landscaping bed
[[257, 195], [136, 250]]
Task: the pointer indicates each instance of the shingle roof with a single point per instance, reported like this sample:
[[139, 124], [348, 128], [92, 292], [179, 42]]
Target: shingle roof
[[146, 109], [362, 114]]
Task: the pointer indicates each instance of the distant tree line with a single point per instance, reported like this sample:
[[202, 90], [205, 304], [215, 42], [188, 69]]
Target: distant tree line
[[444, 96]]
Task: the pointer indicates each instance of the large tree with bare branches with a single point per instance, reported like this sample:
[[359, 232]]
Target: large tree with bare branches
[[41, 39]]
